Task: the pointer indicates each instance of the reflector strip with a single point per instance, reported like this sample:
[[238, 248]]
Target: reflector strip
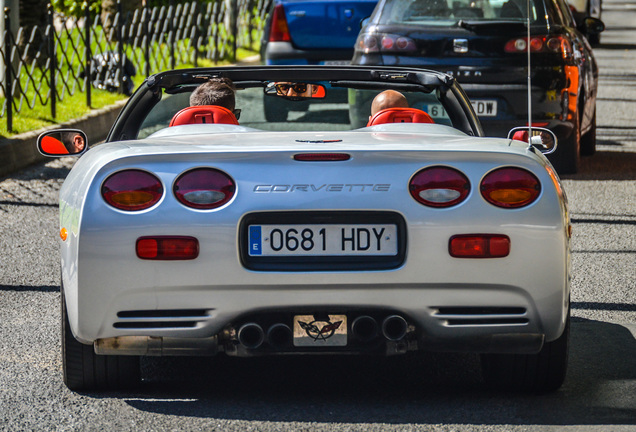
[[479, 246], [164, 248]]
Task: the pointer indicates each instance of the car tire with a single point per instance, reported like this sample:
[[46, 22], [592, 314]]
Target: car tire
[[588, 141], [533, 373], [275, 111], [85, 370], [567, 155]]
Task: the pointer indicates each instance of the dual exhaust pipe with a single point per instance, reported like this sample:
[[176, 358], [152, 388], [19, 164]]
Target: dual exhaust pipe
[[252, 335], [366, 328]]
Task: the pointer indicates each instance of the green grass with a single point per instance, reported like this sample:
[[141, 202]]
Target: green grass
[[74, 106]]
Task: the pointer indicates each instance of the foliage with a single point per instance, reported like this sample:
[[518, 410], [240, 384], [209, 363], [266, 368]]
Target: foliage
[[75, 8]]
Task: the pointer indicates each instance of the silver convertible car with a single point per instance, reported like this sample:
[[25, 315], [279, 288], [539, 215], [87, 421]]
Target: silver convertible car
[[333, 231]]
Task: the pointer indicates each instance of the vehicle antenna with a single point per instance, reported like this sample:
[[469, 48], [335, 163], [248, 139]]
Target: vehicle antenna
[[529, 76]]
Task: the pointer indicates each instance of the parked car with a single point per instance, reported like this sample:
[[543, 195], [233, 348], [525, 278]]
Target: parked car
[[582, 9], [484, 45], [334, 232], [313, 32]]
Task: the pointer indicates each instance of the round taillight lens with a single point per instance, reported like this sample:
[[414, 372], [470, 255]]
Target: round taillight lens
[[510, 187], [132, 190], [204, 188], [387, 43], [439, 187]]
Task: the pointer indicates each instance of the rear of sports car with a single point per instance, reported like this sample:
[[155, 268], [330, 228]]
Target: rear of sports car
[[352, 243]]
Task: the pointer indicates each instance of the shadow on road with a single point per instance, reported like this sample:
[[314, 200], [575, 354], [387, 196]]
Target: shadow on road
[[445, 388], [606, 165]]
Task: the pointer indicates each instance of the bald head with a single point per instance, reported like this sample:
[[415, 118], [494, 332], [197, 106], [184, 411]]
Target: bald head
[[388, 99]]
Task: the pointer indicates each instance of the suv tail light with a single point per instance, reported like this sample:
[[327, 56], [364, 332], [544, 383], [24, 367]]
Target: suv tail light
[[204, 188], [132, 190], [386, 43], [538, 44], [439, 187], [279, 31], [510, 187]]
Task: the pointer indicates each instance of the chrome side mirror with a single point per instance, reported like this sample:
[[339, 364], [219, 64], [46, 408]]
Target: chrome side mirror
[[543, 139], [62, 142]]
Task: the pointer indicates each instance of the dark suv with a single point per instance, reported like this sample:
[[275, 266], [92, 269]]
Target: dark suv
[[484, 44]]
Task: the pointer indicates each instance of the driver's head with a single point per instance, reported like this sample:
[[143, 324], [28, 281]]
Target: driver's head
[[388, 99], [290, 89], [216, 91]]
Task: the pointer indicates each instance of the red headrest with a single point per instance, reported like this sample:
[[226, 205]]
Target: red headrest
[[199, 114], [521, 135], [400, 115]]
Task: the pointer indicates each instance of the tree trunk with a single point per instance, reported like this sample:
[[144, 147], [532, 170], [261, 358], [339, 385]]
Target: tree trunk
[[33, 13]]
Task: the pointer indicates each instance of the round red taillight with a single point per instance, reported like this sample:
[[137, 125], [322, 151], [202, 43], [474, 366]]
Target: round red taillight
[[510, 187], [204, 188], [439, 187], [132, 190]]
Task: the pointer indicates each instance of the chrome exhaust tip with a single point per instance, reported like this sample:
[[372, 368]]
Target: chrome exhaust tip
[[251, 335], [279, 335], [364, 328], [394, 327]]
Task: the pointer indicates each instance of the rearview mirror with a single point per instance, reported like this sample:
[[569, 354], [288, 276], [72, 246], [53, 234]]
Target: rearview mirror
[[592, 26], [543, 139], [295, 90], [62, 142]]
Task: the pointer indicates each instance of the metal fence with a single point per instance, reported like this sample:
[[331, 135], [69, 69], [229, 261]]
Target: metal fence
[[71, 55]]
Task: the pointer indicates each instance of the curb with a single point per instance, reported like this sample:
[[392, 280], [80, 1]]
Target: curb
[[21, 150]]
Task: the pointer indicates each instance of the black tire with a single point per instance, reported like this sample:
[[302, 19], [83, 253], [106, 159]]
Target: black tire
[[536, 373], [85, 370], [275, 110], [588, 141], [567, 156]]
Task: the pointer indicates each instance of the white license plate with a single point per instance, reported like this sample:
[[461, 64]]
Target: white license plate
[[323, 240], [336, 62], [325, 331], [485, 108], [436, 111]]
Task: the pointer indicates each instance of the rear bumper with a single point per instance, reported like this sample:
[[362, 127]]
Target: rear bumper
[[205, 320], [284, 53]]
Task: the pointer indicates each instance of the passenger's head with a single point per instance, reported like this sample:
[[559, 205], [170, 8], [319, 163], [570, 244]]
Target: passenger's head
[[216, 91], [388, 99]]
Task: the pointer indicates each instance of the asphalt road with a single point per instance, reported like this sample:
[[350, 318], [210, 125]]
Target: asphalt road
[[340, 394]]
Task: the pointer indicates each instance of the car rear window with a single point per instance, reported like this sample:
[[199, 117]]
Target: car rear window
[[449, 12]]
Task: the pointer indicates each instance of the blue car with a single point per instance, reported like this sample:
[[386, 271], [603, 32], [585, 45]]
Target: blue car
[[313, 32]]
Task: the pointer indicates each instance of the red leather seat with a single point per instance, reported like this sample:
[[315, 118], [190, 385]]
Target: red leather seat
[[203, 114], [400, 115], [521, 135]]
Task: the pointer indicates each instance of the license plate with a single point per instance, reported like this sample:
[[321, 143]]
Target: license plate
[[323, 240], [327, 331], [336, 62], [485, 108], [436, 111]]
